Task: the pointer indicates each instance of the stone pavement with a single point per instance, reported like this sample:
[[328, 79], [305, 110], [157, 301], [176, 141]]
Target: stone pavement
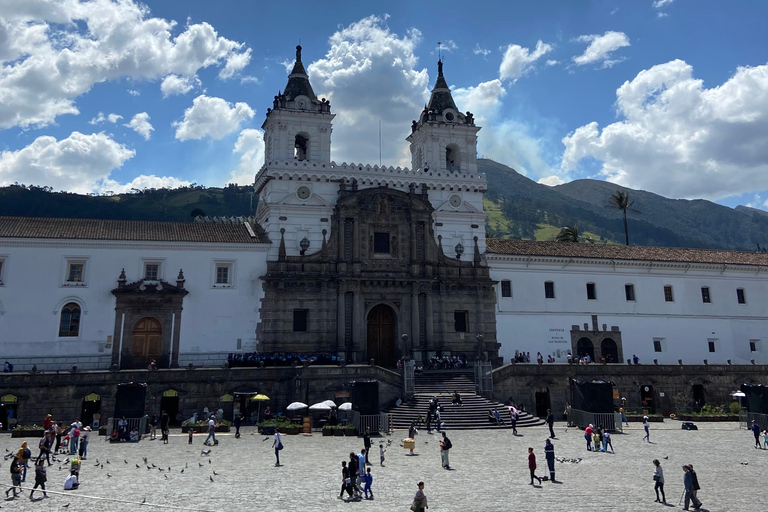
[[490, 473]]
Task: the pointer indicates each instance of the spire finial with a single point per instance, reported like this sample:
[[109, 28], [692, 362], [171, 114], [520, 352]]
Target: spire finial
[[298, 53], [440, 67]]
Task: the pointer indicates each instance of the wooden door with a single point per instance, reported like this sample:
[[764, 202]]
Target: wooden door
[[147, 340], [382, 333]]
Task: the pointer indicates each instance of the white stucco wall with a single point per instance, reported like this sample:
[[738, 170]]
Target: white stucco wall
[[33, 293], [524, 321]]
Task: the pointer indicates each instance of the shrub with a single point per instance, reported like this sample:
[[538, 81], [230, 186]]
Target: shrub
[[28, 427], [735, 407]]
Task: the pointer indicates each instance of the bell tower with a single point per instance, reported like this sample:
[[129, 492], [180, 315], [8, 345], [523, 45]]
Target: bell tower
[[444, 139], [298, 126]]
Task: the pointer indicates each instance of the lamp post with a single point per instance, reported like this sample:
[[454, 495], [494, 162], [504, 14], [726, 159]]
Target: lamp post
[[459, 250], [304, 244]]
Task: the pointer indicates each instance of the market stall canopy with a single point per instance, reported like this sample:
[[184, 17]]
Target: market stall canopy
[[330, 403], [322, 406], [260, 398], [346, 406], [296, 406], [739, 394]]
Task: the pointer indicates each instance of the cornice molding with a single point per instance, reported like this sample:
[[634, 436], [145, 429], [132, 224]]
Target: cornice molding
[[133, 244]]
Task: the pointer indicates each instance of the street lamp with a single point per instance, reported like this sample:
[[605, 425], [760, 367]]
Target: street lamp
[[304, 244], [459, 250]]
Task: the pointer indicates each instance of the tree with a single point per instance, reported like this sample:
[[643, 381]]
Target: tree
[[197, 212], [568, 234], [620, 201]]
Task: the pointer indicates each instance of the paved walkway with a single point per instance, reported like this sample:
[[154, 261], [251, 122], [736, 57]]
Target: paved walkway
[[490, 473]]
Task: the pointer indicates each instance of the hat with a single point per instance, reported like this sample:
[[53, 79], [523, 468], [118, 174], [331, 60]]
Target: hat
[[88, 429], [49, 415]]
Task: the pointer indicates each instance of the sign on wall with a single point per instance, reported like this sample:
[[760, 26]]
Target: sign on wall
[[557, 336]]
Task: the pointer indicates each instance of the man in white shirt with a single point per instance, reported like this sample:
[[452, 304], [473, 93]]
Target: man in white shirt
[[211, 431], [71, 482]]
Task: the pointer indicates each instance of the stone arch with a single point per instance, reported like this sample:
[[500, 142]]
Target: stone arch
[[301, 146], [609, 350], [452, 158], [585, 347]]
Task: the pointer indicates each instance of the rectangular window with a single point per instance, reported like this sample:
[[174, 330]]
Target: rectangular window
[[300, 320], [705, 298], [222, 274], [629, 292], [460, 321], [506, 288], [549, 290], [753, 345], [711, 345], [381, 243], [151, 271], [657, 345], [75, 273], [739, 295], [591, 293], [668, 294]]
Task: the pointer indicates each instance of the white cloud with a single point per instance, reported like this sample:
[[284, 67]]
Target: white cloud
[[250, 145], [658, 4], [482, 100], [369, 74], [553, 62], [477, 50], [141, 125], [141, 182], [100, 118], [551, 181], [78, 163], [600, 48], [134, 92], [519, 61], [449, 45], [174, 85], [236, 62], [211, 117], [60, 51], [680, 139]]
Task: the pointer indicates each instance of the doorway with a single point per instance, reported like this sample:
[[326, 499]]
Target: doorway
[[382, 334], [542, 402], [697, 394], [146, 343], [169, 403], [90, 411], [584, 347], [647, 398], [609, 350], [8, 411]]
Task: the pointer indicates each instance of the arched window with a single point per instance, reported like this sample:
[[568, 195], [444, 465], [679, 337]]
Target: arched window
[[584, 347], [69, 322], [452, 158], [301, 147]]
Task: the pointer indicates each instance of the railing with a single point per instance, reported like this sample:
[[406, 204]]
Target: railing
[[484, 378], [140, 424], [610, 420], [745, 420]]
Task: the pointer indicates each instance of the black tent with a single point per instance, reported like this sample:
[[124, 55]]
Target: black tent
[[129, 400], [757, 397], [595, 396]]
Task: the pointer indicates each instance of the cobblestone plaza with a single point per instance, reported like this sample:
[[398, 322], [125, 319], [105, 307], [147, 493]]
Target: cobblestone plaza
[[490, 472]]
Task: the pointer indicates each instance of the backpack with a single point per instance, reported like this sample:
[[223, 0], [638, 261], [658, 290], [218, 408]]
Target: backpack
[[27, 453], [76, 432], [447, 445]]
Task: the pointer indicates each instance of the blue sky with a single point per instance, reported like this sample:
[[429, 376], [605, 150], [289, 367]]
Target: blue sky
[[669, 96]]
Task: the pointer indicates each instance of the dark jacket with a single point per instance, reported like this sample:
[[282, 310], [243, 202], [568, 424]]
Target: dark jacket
[[550, 419], [695, 480], [367, 441], [688, 481]]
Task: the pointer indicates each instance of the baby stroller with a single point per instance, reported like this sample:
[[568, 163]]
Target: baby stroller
[[64, 446]]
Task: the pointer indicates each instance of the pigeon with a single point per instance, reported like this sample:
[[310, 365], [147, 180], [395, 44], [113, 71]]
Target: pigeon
[[205, 452], [169, 468], [144, 501], [211, 478], [145, 460], [107, 461], [109, 476], [199, 464], [160, 469], [154, 466], [102, 466], [215, 473], [209, 461], [125, 461], [666, 458], [137, 466], [166, 477], [65, 506], [182, 470]]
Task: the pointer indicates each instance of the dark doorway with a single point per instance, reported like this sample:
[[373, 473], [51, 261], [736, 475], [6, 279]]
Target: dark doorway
[[170, 404], [584, 347], [697, 394], [146, 343], [542, 402], [8, 411], [91, 410], [382, 333], [609, 350], [129, 400], [647, 398]]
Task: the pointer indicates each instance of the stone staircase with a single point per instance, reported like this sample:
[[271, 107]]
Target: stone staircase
[[473, 414]]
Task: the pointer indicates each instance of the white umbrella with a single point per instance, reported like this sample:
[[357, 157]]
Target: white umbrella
[[739, 394], [330, 403], [346, 406], [322, 406], [296, 406]]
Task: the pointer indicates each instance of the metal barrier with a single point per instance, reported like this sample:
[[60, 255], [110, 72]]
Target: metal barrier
[[484, 378], [386, 423], [746, 418], [610, 420], [140, 424]]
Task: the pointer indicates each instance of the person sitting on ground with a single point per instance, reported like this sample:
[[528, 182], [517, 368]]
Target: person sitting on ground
[[134, 435], [497, 417], [457, 398], [71, 482]]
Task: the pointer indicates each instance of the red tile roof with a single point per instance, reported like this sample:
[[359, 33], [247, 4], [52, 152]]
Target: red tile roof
[[144, 231], [623, 252]]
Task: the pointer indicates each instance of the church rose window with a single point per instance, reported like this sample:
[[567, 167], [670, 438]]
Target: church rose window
[[69, 324]]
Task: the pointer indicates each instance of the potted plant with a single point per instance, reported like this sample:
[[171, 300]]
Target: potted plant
[[338, 430], [328, 430], [350, 430]]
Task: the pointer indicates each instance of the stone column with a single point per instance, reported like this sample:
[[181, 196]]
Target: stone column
[[414, 319], [340, 321], [430, 327]]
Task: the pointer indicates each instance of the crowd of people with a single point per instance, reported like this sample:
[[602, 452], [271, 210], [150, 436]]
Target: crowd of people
[[356, 477], [255, 359]]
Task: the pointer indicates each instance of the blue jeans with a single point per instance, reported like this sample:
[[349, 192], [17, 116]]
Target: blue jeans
[[211, 434], [24, 465], [73, 445], [84, 448]]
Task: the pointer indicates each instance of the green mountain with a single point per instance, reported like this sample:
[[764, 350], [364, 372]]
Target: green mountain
[[517, 207]]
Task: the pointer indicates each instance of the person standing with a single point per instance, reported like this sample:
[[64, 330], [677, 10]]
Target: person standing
[[237, 421], [381, 454], [567, 413], [74, 437], [756, 433], [15, 477], [346, 482], [165, 422], [549, 453], [40, 478], [367, 445], [445, 447], [420, 500], [623, 416], [437, 420], [690, 492], [47, 422], [588, 436], [607, 441], [658, 478], [85, 438], [153, 427], [551, 423], [647, 435], [412, 434], [514, 417], [532, 466], [277, 444], [59, 433], [45, 446]]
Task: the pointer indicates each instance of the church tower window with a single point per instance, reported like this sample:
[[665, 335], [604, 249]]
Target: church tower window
[[452, 158], [301, 147], [381, 243]]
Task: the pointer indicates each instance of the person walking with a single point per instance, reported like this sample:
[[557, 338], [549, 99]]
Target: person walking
[[690, 492], [532, 466], [420, 499], [647, 435], [445, 447], [24, 454], [623, 416], [551, 423], [368, 479], [382, 450], [85, 439], [45, 446], [658, 478], [237, 421], [567, 413], [756, 433], [549, 454], [367, 445], [353, 466], [515, 416], [277, 444], [15, 477], [695, 482], [165, 422], [346, 482], [211, 432], [40, 478], [153, 427]]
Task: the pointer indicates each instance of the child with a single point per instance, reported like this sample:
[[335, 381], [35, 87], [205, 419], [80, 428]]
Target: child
[[368, 479], [607, 442], [765, 438], [40, 478], [381, 454], [15, 477], [191, 432]]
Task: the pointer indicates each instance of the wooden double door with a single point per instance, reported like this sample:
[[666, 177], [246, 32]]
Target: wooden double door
[[147, 342], [382, 336]]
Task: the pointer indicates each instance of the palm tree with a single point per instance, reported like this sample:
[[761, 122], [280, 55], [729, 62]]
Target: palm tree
[[620, 201], [568, 234]]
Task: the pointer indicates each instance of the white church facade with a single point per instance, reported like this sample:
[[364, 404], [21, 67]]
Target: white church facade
[[364, 262]]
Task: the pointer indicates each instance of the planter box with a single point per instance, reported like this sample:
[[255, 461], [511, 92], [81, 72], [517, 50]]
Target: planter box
[[350, 432], [27, 433], [327, 432], [204, 430], [338, 432], [685, 417], [292, 431]]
